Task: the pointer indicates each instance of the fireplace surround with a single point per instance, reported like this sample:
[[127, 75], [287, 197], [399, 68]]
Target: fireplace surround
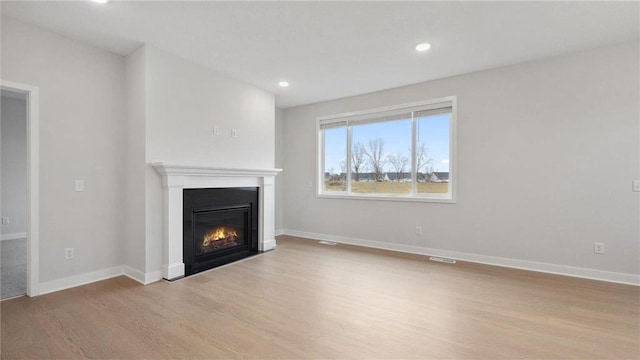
[[177, 178]]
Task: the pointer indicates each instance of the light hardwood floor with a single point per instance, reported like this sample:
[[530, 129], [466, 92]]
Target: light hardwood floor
[[306, 300]]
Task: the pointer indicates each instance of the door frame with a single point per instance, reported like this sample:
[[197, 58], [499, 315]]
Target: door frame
[[33, 183]]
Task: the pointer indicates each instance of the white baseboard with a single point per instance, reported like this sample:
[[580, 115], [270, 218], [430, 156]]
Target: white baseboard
[[134, 274], [279, 232], [139, 276], [152, 277], [173, 271], [83, 279], [13, 236], [269, 245], [77, 280], [622, 278]]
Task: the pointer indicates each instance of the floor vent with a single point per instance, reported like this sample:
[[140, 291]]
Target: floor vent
[[442, 260], [328, 243]]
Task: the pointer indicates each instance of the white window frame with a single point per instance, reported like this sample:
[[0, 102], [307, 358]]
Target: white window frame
[[450, 197]]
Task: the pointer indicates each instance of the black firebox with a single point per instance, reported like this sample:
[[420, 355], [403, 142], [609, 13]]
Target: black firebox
[[220, 226]]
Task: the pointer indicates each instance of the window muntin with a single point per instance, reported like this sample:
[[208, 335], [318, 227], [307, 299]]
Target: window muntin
[[404, 152]]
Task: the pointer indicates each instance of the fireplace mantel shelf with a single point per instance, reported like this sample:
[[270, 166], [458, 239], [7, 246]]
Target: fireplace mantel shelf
[[176, 178], [187, 170]]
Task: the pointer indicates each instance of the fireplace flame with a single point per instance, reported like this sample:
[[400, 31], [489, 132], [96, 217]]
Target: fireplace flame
[[220, 233]]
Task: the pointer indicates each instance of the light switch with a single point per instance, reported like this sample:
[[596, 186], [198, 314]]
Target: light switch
[[234, 133], [636, 185], [216, 130], [79, 185]]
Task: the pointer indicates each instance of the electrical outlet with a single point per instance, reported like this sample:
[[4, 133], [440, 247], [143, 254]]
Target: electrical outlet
[[5, 221], [418, 230], [598, 248], [68, 253], [636, 185]]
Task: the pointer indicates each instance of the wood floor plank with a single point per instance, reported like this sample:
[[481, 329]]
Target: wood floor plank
[[309, 301]]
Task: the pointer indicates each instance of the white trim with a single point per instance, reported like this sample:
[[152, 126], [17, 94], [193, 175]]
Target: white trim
[[185, 170], [173, 271], [99, 275], [141, 277], [33, 168], [78, 280], [13, 236], [453, 150], [414, 155], [176, 178], [279, 232], [615, 277], [134, 274], [269, 244], [428, 104], [409, 198], [348, 169], [152, 277], [319, 159]]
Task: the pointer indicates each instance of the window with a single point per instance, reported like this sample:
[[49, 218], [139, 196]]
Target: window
[[404, 152]]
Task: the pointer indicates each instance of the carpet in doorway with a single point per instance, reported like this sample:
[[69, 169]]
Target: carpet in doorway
[[13, 268]]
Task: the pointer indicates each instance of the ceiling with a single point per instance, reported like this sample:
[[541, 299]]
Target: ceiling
[[329, 50]]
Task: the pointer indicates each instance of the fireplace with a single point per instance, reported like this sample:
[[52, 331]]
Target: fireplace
[[220, 225], [177, 178]]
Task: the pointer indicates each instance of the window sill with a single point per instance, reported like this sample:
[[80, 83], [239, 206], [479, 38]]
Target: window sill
[[404, 198]]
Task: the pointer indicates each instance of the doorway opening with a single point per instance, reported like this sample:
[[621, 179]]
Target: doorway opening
[[19, 181], [13, 192]]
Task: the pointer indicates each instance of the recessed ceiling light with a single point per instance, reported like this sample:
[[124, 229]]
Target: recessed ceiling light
[[283, 83], [423, 47], [100, 1]]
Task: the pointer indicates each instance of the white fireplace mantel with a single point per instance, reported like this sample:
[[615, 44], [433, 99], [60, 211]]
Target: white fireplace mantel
[[176, 178]]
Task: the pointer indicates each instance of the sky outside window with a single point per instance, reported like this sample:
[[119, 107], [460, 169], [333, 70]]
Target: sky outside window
[[432, 130]]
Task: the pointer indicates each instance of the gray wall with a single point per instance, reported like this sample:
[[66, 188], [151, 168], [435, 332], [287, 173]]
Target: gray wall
[[174, 105], [562, 134], [134, 249], [104, 119], [279, 159], [14, 165], [82, 114], [547, 151]]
